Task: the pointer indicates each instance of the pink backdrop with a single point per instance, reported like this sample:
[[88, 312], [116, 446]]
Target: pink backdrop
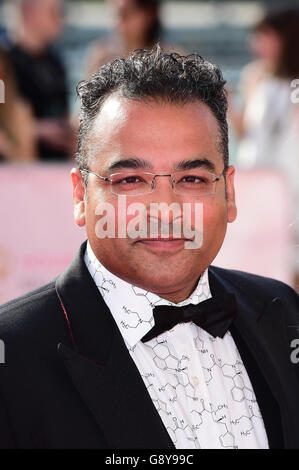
[[38, 236]]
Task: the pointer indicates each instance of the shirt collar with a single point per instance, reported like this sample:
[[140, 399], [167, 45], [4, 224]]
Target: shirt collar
[[131, 306]]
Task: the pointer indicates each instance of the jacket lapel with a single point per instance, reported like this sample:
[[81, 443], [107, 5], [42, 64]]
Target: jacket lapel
[[273, 331], [262, 327], [101, 368]]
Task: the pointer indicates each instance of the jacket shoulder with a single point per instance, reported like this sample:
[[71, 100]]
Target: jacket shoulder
[[41, 291], [253, 284], [33, 315]]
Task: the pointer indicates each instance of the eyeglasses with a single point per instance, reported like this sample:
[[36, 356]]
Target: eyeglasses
[[197, 182]]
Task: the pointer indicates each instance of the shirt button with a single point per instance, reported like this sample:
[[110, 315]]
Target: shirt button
[[195, 381]]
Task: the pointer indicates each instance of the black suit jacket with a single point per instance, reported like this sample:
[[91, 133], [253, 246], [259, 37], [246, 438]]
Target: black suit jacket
[[70, 382]]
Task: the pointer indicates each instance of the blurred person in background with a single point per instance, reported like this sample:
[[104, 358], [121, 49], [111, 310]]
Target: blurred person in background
[[17, 139], [268, 123], [137, 26], [40, 74]]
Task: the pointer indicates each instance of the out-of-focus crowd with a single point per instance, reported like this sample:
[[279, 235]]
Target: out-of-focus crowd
[[35, 121]]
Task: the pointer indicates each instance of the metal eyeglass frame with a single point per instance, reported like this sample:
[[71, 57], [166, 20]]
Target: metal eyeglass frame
[[106, 178]]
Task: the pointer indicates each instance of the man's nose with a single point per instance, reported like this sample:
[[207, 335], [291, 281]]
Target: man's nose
[[163, 190], [163, 193]]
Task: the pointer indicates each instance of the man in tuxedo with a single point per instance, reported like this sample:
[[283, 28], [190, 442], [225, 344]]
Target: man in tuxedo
[[141, 343]]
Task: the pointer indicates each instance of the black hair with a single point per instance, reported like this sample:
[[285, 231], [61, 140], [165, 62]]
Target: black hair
[[150, 76]]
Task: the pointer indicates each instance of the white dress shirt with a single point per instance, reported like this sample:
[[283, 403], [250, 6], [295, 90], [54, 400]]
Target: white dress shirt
[[197, 383]]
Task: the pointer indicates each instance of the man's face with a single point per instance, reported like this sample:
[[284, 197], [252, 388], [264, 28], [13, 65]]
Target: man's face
[[161, 135]]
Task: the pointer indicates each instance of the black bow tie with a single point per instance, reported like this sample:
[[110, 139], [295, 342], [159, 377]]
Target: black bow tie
[[213, 315]]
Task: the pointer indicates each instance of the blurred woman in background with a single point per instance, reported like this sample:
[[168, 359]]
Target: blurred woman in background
[[268, 123], [137, 25], [17, 142]]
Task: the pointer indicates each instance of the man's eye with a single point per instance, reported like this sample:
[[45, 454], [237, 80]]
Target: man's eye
[[128, 180], [193, 179]]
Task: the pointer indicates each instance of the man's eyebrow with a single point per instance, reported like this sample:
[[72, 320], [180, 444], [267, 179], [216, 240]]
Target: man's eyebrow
[[138, 163], [196, 163], [135, 163]]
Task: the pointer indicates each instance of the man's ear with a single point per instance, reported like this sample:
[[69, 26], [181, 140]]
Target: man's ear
[[230, 188], [78, 197]]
